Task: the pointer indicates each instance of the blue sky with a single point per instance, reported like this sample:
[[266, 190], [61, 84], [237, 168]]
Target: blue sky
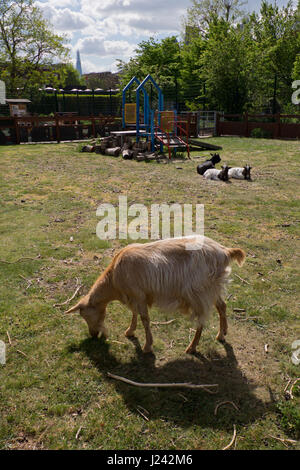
[[106, 30]]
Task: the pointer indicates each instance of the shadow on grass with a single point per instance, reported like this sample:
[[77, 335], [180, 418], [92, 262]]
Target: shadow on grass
[[184, 407]]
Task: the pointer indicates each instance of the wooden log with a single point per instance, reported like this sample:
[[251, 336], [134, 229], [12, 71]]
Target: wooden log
[[127, 154], [150, 156], [88, 148], [114, 152], [140, 157]]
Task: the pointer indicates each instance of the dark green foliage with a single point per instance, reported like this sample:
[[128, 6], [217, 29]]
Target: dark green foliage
[[83, 104]]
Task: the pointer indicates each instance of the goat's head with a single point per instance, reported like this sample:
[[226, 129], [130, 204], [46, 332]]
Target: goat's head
[[93, 315], [215, 158], [247, 175], [223, 175]]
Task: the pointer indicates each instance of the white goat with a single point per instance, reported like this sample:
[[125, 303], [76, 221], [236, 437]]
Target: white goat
[[168, 274]]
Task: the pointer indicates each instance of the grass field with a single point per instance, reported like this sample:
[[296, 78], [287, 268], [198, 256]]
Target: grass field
[[54, 389]]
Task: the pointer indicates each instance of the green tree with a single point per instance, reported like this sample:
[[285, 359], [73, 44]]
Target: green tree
[[192, 81], [226, 67], [161, 59], [203, 12], [104, 80], [276, 36], [29, 49], [70, 76]]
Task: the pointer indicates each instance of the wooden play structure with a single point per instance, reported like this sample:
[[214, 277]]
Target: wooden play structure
[[161, 128]]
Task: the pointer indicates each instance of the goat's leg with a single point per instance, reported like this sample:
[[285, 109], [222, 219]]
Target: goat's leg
[[131, 329], [221, 307], [194, 343], [103, 328], [146, 322]]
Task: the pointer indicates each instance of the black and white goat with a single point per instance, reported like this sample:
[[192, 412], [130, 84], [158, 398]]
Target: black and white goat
[[208, 164], [214, 174], [240, 173]]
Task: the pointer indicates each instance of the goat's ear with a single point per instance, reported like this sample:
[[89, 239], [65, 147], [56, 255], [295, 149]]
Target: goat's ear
[[76, 307]]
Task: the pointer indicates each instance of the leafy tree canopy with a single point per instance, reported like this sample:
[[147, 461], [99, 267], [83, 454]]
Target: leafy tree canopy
[[29, 48]]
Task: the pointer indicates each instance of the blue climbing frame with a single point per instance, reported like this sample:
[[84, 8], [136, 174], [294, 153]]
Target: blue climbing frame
[[148, 113], [146, 100]]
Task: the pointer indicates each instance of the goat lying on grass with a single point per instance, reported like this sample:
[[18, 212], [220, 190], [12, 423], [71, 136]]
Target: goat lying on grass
[[240, 173], [170, 274], [215, 174], [201, 169]]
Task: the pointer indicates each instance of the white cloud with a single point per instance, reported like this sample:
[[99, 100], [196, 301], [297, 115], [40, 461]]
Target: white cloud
[[64, 19], [106, 30], [97, 46]]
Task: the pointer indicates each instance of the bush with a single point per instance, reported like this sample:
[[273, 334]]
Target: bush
[[260, 133]]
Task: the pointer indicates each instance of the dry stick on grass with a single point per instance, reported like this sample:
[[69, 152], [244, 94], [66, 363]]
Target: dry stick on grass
[[162, 322], [78, 432], [70, 299], [287, 385], [8, 336], [225, 403], [232, 440], [290, 441], [163, 385], [20, 259], [21, 352], [143, 413], [241, 279]]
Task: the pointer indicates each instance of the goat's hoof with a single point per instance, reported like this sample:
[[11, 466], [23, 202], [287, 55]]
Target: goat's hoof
[[190, 350], [129, 333]]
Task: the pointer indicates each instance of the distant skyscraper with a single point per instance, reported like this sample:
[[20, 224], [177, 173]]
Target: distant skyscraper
[[78, 64]]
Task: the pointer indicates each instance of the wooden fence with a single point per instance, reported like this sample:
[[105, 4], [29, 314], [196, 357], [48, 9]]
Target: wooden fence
[[59, 128], [273, 125]]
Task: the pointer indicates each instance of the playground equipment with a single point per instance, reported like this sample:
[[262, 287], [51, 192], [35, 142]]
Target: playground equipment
[[159, 127]]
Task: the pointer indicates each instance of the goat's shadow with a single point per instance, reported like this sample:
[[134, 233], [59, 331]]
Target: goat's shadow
[[185, 407]]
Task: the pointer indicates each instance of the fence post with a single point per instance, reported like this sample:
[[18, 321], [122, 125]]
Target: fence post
[[57, 129], [17, 131], [93, 127], [246, 124], [217, 124], [277, 132]]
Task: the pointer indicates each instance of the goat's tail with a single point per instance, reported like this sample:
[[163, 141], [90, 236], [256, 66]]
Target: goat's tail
[[237, 254]]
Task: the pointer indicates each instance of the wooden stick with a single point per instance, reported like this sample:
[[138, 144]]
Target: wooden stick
[[241, 279], [161, 385], [70, 299], [232, 440], [9, 340], [141, 413], [290, 441], [78, 432], [162, 322], [21, 352]]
